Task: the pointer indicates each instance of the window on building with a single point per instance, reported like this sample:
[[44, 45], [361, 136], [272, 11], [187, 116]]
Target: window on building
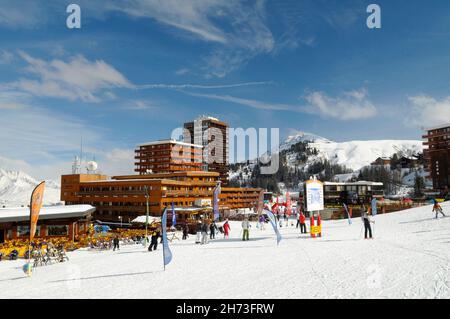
[[23, 231], [57, 230]]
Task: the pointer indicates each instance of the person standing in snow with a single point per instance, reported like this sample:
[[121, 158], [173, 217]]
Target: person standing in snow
[[262, 221], [297, 217], [226, 229], [116, 243], [437, 208], [366, 220], [204, 230], [302, 221], [212, 230], [245, 229], [199, 232], [185, 231], [154, 240]]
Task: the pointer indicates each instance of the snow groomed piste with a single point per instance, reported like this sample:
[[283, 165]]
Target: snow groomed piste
[[408, 258]]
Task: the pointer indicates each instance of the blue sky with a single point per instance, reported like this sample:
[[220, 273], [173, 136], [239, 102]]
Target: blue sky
[[138, 69]]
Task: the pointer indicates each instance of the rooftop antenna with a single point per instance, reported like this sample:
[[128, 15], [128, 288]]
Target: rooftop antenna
[[81, 150]]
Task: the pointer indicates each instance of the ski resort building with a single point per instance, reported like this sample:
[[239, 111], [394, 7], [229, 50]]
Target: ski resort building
[[437, 155], [123, 198], [212, 134], [351, 193], [54, 221], [167, 156]]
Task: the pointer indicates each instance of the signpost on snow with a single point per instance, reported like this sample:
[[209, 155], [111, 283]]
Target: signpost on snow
[[315, 202]]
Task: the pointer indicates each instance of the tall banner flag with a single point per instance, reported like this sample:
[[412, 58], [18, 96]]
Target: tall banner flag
[[216, 202], [167, 254], [35, 207], [348, 214], [274, 225], [374, 207], [174, 216]]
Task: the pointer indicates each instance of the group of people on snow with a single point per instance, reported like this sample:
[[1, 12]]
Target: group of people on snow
[[205, 228]]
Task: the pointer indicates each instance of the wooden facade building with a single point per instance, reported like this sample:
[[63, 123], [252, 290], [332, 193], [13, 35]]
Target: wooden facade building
[[167, 156], [124, 197], [212, 134], [437, 156]]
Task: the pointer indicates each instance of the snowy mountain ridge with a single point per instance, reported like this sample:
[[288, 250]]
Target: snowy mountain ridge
[[16, 188], [354, 155], [302, 137]]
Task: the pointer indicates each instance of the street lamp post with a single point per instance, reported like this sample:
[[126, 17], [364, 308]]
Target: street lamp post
[[120, 217]]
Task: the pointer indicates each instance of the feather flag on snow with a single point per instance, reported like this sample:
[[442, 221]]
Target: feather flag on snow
[[35, 207], [374, 207], [348, 215], [216, 202], [174, 216], [167, 254], [274, 225]]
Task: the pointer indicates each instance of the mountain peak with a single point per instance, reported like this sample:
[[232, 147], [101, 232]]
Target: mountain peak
[[301, 136], [16, 188]]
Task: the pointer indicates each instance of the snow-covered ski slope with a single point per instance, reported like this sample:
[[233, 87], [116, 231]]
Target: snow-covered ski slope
[[409, 258]]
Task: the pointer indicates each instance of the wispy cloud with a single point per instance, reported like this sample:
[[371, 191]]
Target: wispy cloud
[[6, 57], [195, 17], [260, 105], [25, 14], [12, 100], [77, 79], [236, 29], [351, 105], [140, 105], [427, 109], [200, 86]]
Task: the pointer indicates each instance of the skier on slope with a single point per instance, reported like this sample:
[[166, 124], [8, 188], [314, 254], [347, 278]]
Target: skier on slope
[[226, 229], [366, 220], [437, 208]]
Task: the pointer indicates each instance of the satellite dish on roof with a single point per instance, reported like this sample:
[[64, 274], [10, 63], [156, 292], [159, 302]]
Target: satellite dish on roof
[[91, 166]]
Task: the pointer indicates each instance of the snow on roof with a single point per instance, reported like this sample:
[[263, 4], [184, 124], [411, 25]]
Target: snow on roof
[[50, 212], [142, 219], [170, 142], [355, 183]]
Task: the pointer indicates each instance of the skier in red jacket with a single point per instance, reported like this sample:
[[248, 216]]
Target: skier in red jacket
[[302, 219], [226, 229]]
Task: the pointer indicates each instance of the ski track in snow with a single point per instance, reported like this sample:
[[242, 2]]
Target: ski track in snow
[[409, 258]]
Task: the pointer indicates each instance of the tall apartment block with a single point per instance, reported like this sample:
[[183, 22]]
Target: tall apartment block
[[212, 134], [438, 156], [167, 156]]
